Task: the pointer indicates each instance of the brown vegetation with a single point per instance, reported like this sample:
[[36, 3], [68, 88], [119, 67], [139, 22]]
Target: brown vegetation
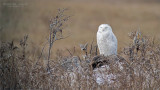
[[32, 19]]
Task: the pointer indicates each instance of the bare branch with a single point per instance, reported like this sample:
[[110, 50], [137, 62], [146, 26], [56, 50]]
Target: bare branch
[[56, 25], [91, 49], [41, 53], [69, 52], [62, 38]]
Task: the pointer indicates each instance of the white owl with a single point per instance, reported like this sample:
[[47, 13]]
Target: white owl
[[106, 40]]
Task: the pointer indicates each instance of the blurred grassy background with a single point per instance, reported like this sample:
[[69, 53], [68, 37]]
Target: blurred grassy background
[[20, 17]]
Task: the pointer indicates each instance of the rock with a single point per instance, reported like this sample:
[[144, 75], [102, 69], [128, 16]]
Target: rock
[[112, 70]]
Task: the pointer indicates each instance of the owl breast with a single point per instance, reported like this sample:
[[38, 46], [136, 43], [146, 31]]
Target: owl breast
[[107, 43]]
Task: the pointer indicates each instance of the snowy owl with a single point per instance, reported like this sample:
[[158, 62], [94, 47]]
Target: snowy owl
[[106, 40]]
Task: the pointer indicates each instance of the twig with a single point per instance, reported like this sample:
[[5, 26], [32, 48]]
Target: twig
[[69, 52], [41, 53], [91, 47]]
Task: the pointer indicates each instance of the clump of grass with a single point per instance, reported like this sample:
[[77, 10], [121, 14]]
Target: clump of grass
[[140, 62], [143, 56], [8, 66]]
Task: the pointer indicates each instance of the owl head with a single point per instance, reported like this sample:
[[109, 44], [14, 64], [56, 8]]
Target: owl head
[[104, 28]]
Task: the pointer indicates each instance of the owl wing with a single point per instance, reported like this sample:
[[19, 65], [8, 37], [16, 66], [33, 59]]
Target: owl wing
[[114, 43]]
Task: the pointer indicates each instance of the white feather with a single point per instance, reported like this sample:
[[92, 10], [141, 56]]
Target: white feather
[[106, 40]]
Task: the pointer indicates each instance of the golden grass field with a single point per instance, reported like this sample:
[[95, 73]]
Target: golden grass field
[[32, 18]]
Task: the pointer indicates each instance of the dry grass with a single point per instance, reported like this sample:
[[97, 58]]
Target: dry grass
[[124, 17], [141, 68]]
